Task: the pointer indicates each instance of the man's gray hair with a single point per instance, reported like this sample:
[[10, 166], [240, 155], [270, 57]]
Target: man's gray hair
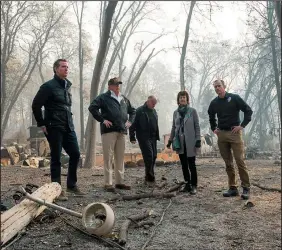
[[151, 97]]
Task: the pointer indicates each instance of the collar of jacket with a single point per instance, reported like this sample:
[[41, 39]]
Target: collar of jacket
[[145, 107], [62, 82], [112, 92], [108, 93], [225, 97]]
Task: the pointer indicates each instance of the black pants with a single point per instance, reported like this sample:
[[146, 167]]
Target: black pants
[[189, 168], [149, 152], [67, 140]]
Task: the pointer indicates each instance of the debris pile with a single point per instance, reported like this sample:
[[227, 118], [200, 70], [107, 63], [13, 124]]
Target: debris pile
[[25, 156], [16, 154]]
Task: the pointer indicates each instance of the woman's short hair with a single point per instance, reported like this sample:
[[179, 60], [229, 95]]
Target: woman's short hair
[[183, 93]]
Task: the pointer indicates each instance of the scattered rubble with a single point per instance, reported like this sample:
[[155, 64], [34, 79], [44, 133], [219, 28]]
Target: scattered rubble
[[206, 222]]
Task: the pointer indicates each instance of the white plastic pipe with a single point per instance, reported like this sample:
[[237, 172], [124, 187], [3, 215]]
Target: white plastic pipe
[[51, 205]]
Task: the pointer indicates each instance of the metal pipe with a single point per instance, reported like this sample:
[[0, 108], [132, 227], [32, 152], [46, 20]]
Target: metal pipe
[[51, 205]]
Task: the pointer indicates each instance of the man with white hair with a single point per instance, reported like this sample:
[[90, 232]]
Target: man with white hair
[[229, 131], [146, 128]]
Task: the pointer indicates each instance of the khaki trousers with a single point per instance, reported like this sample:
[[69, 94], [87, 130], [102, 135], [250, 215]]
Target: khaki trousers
[[226, 142], [113, 146]]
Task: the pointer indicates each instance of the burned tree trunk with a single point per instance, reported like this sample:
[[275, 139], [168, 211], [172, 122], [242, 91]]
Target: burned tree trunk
[[278, 15], [79, 18], [126, 224], [91, 124], [184, 47]]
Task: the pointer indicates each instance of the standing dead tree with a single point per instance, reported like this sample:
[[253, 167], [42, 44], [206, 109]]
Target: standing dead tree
[[214, 60], [272, 28], [265, 27], [254, 66], [91, 131], [263, 84], [24, 34], [133, 79], [79, 18], [259, 89], [277, 6], [116, 21], [122, 35], [184, 47]]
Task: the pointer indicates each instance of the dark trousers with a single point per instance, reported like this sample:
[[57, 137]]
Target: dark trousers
[[67, 140], [149, 152], [189, 168]]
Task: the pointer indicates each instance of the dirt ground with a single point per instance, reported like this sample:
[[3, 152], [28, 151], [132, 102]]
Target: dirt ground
[[205, 221]]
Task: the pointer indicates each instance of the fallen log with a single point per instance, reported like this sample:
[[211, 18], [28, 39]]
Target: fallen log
[[147, 195], [145, 223], [19, 216], [162, 184], [141, 196], [125, 225], [176, 187], [154, 231], [266, 188]]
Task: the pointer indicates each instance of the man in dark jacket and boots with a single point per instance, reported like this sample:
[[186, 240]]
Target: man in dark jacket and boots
[[147, 132], [57, 124], [229, 132], [115, 114]]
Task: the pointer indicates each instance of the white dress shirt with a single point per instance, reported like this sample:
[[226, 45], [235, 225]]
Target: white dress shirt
[[118, 98]]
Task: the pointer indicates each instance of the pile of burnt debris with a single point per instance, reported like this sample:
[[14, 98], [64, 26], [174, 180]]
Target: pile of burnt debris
[[23, 155], [26, 156]]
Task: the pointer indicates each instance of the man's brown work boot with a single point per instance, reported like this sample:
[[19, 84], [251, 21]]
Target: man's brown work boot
[[75, 190], [62, 197]]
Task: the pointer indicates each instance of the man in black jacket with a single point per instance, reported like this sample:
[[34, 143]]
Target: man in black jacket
[[57, 124], [112, 109], [229, 131], [147, 132]]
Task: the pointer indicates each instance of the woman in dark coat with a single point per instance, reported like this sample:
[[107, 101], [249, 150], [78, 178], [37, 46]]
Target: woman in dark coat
[[185, 137]]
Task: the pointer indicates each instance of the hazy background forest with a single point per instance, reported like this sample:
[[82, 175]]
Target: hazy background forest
[[155, 47]]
